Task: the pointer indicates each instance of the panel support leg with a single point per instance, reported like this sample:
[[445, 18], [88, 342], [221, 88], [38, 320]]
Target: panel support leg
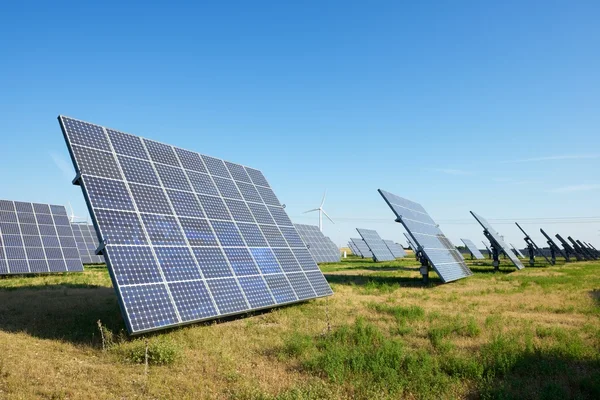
[[424, 270], [531, 254]]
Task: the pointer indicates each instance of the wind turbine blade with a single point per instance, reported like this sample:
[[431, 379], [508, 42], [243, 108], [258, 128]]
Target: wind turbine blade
[[323, 201], [328, 217], [314, 209]]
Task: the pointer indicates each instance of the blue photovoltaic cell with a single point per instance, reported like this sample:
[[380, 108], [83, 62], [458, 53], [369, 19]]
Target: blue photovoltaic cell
[[439, 251], [187, 237], [378, 248], [36, 238]]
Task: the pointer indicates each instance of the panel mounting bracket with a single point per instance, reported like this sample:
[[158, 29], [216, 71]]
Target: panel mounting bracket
[[77, 180]]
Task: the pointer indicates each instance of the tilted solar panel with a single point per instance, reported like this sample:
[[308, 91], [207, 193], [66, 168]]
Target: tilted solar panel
[[187, 237], [495, 236], [353, 249], [553, 244], [439, 251], [473, 249], [87, 243], [519, 254], [320, 247], [362, 247], [411, 244], [35, 239], [378, 248], [395, 248]]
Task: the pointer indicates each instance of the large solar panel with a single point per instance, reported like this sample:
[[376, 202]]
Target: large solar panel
[[87, 243], [35, 239], [320, 247], [362, 247], [495, 237], [473, 249], [378, 248], [395, 248], [439, 251], [187, 237]]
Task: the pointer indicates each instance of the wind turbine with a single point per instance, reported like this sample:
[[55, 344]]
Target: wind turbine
[[73, 217], [321, 212]]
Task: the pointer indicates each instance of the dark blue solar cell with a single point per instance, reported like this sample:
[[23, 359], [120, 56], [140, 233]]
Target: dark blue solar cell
[[41, 208], [45, 219], [202, 183], [35, 253], [150, 199], [252, 235], [241, 261], [273, 236], [3, 266], [198, 232], [305, 260], [257, 177], [228, 295], [138, 171], [50, 241], [85, 134], [23, 207], [61, 220], [212, 262], [301, 286], [17, 266], [239, 211], [266, 260], [319, 283], [126, 144], [281, 289], [13, 240], [227, 188], [286, 259], [121, 227], [70, 252], [227, 233], [237, 172], [133, 264], [268, 196], [6, 216], [216, 166], [63, 230], [57, 266], [74, 265], [214, 207], [177, 263], [292, 237], [96, 163], [148, 306], [104, 193], [7, 205], [192, 300], [66, 241], [9, 228], [47, 230], [26, 218], [58, 210], [190, 160], [38, 266], [173, 178], [53, 253], [161, 153], [163, 230], [256, 291], [261, 214], [30, 230], [185, 204], [249, 192], [280, 216]]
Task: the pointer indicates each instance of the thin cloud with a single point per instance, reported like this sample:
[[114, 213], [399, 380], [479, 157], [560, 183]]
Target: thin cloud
[[554, 158], [451, 171], [63, 165], [576, 188]]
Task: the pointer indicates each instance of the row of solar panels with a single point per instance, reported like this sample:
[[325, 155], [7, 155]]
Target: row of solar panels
[[372, 246]]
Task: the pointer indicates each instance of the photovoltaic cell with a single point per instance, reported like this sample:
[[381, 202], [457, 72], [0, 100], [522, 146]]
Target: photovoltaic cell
[[36, 238], [495, 236], [87, 243], [440, 252], [473, 249], [378, 248], [186, 237], [395, 248], [320, 246]]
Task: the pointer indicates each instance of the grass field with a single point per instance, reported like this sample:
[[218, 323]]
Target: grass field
[[524, 334]]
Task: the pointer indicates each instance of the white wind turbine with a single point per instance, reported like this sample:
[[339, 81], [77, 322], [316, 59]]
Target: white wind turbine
[[321, 212], [73, 217]]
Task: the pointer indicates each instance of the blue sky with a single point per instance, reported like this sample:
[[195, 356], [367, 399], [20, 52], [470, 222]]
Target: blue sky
[[459, 106]]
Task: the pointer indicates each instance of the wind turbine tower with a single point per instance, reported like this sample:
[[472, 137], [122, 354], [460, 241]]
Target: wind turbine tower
[[321, 212]]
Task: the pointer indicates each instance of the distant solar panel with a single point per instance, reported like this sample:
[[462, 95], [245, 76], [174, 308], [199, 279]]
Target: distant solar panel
[[568, 249], [378, 248], [362, 247], [395, 248], [496, 240], [187, 237], [553, 247], [438, 250], [519, 254], [87, 243], [320, 247], [473, 249], [411, 244], [35, 239], [352, 248], [532, 245]]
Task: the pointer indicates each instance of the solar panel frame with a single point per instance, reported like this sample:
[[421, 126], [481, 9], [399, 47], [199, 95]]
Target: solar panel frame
[[87, 243], [395, 248], [551, 243], [320, 246], [495, 236], [154, 234], [527, 237], [473, 249], [439, 251], [376, 245], [362, 247], [36, 238]]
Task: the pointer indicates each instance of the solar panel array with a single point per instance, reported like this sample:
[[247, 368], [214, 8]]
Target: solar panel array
[[411, 244], [353, 248], [87, 243], [495, 236], [439, 251], [378, 248], [362, 247], [473, 249], [395, 248], [519, 254], [187, 237], [320, 247], [36, 238]]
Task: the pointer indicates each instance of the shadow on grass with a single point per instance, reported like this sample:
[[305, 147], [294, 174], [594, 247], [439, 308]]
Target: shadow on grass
[[595, 295], [380, 281], [489, 269]]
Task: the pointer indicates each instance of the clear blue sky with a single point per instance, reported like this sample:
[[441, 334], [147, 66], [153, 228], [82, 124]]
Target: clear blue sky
[[457, 105]]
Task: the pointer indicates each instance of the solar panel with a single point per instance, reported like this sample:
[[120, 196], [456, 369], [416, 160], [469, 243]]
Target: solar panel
[[531, 244], [519, 254], [353, 248], [35, 239], [553, 246], [411, 244], [378, 248], [496, 240], [187, 237], [439, 251], [362, 247], [320, 247], [568, 249], [87, 243], [395, 248], [473, 249]]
